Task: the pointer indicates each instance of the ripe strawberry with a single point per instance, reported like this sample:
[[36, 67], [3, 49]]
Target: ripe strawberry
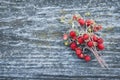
[[90, 44], [95, 38], [73, 45], [100, 40], [100, 46], [72, 34], [81, 56], [100, 27], [87, 58], [97, 28], [81, 21], [85, 36], [80, 40], [88, 22], [78, 51]]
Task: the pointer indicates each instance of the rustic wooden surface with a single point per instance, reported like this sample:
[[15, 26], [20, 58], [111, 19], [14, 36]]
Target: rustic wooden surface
[[31, 46]]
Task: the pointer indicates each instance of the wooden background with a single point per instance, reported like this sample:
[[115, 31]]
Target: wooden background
[[31, 45]]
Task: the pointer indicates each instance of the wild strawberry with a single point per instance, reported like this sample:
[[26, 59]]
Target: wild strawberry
[[74, 17], [81, 56], [78, 51], [99, 27], [90, 44], [100, 40], [80, 40], [87, 58], [74, 38], [88, 22], [95, 38], [81, 21], [65, 37], [72, 34], [100, 46], [85, 36], [73, 45], [95, 29]]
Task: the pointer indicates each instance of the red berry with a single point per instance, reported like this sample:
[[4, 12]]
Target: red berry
[[72, 34], [81, 21], [65, 37], [85, 36], [74, 38], [73, 45], [74, 17], [100, 46], [95, 29], [100, 27], [81, 56], [89, 22], [80, 40], [90, 44], [78, 51], [87, 58], [100, 40], [95, 38]]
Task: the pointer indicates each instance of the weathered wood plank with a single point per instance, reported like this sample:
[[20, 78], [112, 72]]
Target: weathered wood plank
[[31, 46]]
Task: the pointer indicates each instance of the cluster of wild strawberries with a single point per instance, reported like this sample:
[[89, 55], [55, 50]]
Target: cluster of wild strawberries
[[82, 35]]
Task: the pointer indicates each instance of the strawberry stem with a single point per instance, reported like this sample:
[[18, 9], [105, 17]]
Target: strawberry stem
[[104, 63]]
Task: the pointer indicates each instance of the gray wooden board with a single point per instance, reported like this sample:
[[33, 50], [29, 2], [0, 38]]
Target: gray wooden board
[[31, 45]]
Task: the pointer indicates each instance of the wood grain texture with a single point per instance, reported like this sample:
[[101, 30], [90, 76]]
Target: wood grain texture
[[31, 45]]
